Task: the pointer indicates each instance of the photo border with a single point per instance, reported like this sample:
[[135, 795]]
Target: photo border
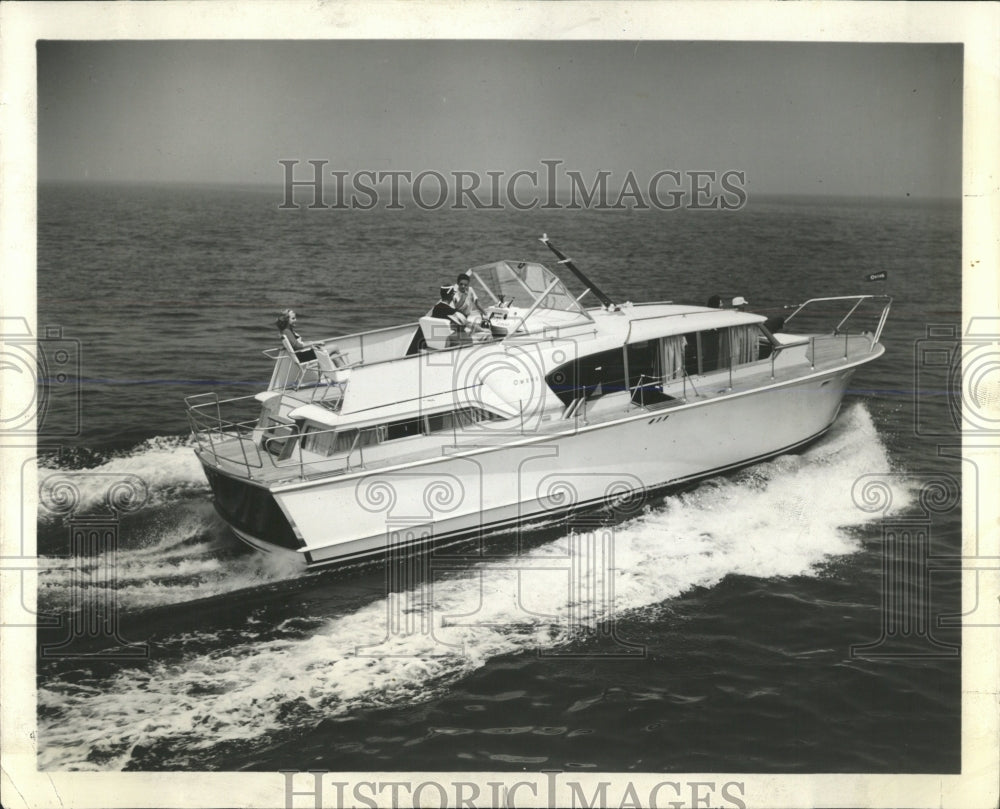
[[975, 25]]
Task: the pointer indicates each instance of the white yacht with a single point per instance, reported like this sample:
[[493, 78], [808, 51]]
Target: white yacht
[[427, 432]]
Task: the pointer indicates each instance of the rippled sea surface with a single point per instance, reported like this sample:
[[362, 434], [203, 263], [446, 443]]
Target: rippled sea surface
[[737, 602]]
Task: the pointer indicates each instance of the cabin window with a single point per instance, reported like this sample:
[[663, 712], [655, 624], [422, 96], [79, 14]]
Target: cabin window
[[439, 422], [343, 441], [674, 351], [320, 440], [404, 428], [691, 345], [458, 419], [368, 437], [743, 344], [591, 376], [714, 349], [643, 362]]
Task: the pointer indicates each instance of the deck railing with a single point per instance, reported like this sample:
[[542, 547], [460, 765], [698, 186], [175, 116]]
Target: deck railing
[[858, 300], [219, 430], [215, 421]]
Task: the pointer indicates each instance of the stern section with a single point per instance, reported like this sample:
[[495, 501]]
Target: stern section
[[251, 510]]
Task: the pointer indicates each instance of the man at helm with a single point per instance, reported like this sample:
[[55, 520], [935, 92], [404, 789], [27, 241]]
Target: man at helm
[[464, 298]]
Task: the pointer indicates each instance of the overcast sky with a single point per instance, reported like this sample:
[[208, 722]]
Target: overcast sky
[[849, 119]]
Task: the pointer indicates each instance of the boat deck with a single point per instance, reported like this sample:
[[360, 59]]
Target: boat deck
[[242, 451]]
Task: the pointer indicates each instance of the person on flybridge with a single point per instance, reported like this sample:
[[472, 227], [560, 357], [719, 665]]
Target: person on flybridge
[[305, 352], [286, 325]]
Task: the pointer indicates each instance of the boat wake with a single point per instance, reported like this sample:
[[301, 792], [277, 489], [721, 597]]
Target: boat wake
[[781, 518], [169, 547], [157, 471]]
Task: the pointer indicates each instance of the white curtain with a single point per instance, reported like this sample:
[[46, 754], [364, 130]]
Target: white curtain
[[673, 356], [743, 344]]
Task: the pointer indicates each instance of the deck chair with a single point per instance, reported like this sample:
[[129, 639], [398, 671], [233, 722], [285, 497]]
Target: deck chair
[[334, 369], [303, 366], [436, 331]]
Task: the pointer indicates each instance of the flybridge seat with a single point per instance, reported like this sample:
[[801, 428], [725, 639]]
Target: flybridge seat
[[436, 331], [334, 369], [439, 333], [304, 366]]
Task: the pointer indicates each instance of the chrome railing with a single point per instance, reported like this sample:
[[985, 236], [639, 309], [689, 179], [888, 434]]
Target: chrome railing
[[858, 300], [211, 428], [259, 450]]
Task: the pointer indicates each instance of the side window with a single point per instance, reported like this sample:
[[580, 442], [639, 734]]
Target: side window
[[439, 422], [345, 440], [642, 362], [691, 353], [403, 429], [714, 349], [320, 440], [744, 343], [591, 376], [765, 348]]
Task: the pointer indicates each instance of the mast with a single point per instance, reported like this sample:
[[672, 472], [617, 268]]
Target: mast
[[603, 298]]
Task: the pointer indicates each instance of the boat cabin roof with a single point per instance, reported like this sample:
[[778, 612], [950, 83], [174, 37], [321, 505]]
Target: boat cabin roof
[[649, 322]]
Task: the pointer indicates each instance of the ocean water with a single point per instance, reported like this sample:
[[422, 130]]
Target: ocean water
[[728, 643]]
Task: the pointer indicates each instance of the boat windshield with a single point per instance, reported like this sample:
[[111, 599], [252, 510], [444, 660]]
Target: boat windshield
[[533, 287]]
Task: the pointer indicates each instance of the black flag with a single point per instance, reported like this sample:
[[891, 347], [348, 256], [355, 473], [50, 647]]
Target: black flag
[[877, 276]]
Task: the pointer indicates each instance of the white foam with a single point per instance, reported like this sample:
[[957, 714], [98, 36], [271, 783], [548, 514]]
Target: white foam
[[181, 566], [159, 469], [781, 518]]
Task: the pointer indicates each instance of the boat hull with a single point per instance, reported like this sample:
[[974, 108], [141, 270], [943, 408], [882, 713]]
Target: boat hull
[[514, 479]]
